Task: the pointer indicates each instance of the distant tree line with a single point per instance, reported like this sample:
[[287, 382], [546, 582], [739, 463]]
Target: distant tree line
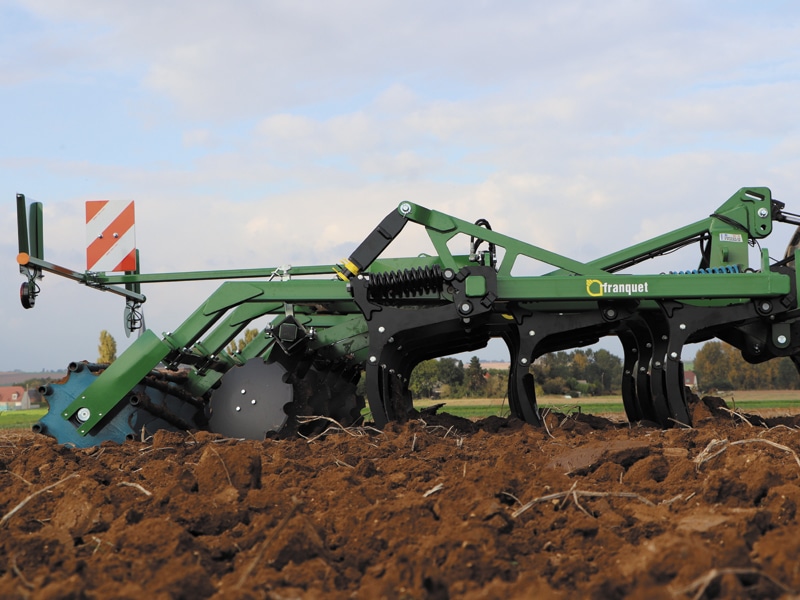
[[587, 372], [720, 366], [579, 372]]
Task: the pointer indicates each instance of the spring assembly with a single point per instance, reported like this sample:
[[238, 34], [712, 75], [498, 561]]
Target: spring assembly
[[407, 283], [714, 270]]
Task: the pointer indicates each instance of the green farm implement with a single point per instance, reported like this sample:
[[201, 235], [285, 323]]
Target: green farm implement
[[376, 317]]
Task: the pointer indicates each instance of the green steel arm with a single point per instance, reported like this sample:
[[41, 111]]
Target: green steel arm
[[442, 228], [43, 265], [268, 273]]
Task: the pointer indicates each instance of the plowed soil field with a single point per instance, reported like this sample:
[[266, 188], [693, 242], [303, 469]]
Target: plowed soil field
[[437, 507]]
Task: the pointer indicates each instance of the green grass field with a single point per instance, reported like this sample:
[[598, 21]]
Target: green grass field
[[751, 400], [20, 419], [478, 408]]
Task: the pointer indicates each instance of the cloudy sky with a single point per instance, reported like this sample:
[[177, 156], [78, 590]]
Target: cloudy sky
[[262, 133]]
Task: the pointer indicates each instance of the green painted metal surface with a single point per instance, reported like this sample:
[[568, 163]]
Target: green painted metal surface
[[121, 376]]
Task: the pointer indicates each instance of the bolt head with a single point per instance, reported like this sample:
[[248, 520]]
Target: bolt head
[[762, 212], [781, 339]]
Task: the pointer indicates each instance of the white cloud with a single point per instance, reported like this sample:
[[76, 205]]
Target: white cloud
[[198, 137]]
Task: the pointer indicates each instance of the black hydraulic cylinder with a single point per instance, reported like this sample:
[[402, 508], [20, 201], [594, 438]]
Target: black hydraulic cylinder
[[377, 241]]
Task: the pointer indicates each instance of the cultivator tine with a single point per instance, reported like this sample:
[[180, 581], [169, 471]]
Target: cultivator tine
[[663, 408], [533, 333], [522, 393], [521, 385], [644, 345], [630, 400], [399, 342]]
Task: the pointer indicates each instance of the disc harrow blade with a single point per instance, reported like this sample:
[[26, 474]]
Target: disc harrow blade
[[250, 401], [265, 398]]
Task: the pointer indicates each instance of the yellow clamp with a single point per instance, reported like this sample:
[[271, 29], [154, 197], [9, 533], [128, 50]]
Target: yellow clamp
[[350, 267]]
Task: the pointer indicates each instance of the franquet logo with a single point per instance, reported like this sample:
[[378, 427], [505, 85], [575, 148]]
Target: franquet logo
[[598, 289]]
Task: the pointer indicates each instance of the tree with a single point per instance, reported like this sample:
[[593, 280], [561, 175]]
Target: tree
[[496, 383], [238, 346], [107, 349], [555, 364], [555, 385], [712, 366], [580, 364], [424, 379], [721, 366], [585, 371], [451, 371], [608, 371], [787, 377], [474, 376]]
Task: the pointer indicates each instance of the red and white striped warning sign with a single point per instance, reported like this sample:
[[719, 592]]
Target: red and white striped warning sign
[[110, 236]]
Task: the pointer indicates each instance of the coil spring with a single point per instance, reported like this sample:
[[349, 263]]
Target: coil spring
[[712, 270], [406, 283]]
